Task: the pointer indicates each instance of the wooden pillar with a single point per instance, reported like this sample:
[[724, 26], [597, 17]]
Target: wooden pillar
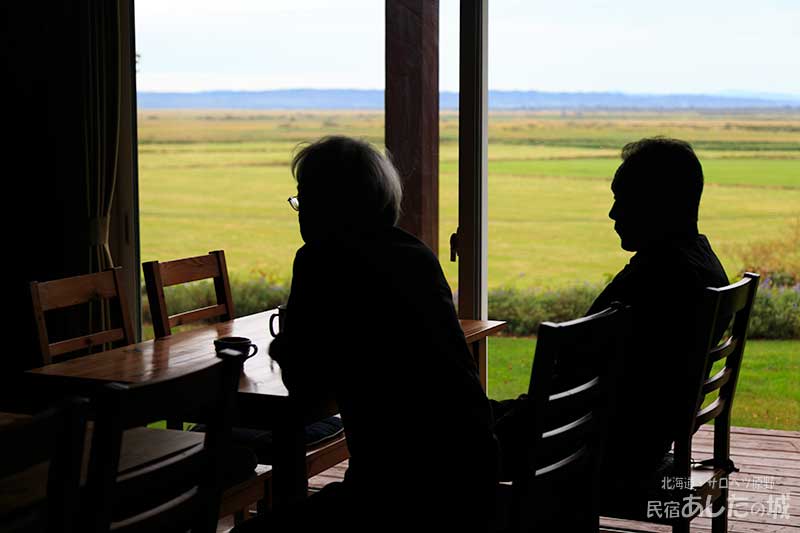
[[412, 111]]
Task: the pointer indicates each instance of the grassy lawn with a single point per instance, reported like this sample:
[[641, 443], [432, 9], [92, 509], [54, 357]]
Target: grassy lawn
[[767, 396]]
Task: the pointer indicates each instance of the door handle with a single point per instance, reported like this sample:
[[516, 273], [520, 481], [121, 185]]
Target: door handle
[[454, 246]]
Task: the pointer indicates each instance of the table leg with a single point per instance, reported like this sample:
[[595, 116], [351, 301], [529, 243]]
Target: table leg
[[289, 480], [479, 352]]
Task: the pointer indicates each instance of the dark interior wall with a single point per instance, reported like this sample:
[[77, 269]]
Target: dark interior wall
[[42, 167]]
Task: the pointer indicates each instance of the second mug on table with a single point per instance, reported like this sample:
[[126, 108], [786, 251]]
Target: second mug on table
[[281, 317]]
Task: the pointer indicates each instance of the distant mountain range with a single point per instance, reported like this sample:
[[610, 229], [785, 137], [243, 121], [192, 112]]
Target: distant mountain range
[[498, 100]]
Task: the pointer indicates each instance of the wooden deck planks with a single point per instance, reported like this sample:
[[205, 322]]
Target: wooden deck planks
[[769, 463]]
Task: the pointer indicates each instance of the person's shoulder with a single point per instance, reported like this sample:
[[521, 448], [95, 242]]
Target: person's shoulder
[[305, 252], [320, 247], [402, 238], [408, 249], [715, 275], [311, 254], [690, 263], [412, 266]]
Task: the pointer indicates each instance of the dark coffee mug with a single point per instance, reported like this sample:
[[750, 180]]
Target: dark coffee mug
[[240, 345], [281, 316]]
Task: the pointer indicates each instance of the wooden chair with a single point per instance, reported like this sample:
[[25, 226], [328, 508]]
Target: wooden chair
[[67, 292], [258, 489], [47, 446], [237, 499], [159, 275], [179, 492], [705, 481], [560, 428]]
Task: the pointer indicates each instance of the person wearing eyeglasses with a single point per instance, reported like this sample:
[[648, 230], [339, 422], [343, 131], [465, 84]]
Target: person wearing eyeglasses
[[371, 324]]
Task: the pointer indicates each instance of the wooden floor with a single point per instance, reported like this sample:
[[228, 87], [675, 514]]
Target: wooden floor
[[769, 477]]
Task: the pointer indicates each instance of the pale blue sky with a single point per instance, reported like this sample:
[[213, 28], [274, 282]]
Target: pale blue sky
[[693, 46]]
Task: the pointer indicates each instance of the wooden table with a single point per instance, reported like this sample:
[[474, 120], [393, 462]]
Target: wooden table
[[476, 332], [10, 418], [263, 400]]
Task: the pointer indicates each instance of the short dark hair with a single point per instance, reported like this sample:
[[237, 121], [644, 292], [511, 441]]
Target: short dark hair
[[666, 167], [352, 173]]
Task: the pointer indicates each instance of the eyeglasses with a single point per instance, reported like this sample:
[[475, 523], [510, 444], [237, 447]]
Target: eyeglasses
[[294, 202]]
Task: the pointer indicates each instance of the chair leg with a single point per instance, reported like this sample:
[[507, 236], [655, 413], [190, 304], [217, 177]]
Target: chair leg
[[719, 512], [264, 505], [593, 524]]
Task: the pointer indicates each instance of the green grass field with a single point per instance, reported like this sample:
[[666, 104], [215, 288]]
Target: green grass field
[[214, 179], [220, 179], [768, 393]]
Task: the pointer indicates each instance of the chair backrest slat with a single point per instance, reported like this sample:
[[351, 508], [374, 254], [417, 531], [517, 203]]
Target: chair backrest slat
[[711, 411], [722, 351], [174, 515], [562, 441], [718, 380], [570, 419], [157, 276], [166, 473], [67, 292], [562, 464], [190, 269], [86, 341], [204, 313], [76, 290], [578, 423], [734, 297], [575, 391]]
